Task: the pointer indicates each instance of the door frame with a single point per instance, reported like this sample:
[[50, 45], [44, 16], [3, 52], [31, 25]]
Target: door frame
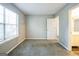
[[70, 32], [57, 25]]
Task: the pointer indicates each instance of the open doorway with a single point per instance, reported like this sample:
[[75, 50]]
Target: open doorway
[[53, 28], [74, 28]]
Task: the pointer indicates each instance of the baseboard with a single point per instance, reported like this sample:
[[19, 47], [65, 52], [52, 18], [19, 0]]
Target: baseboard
[[63, 46], [41, 38], [36, 38], [15, 46]]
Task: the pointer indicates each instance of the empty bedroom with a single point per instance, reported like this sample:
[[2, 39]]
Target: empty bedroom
[[36, 29]]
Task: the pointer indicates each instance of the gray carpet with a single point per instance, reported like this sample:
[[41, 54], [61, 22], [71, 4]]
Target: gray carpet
[[39, 48]]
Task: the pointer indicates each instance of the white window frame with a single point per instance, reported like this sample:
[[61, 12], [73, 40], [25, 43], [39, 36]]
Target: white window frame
[[17, 25]]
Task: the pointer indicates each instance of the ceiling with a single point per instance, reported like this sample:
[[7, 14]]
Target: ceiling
[[39, 8]]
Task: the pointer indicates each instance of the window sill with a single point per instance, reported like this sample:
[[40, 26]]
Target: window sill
[[4, 41]]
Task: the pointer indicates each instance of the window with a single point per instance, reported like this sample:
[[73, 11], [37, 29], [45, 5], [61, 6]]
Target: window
[[8, 24], [76, 25], [75, 20], [1, 23]]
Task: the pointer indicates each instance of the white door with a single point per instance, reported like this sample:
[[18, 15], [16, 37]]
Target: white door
[[52, 28]]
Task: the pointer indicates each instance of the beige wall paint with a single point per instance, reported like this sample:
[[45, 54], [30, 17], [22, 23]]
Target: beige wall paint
[[36, 27], [75, 40], [6, 46]]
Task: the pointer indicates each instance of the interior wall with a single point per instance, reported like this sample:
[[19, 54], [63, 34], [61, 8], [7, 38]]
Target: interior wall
[[64, 25], [75, 40], [36, 27], [7, 45]]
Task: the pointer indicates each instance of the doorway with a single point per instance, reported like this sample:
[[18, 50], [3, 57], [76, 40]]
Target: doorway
[[53, 28], [74, 28]]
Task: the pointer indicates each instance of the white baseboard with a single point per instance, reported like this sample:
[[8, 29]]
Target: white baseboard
[[41, 38], [64, 46], [36, 38], [15, 46]]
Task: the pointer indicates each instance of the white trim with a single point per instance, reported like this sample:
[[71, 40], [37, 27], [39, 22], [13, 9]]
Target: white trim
[[14, 46], [42, 39], [64, 46], [69, 31], [37, 38], [11, 38]]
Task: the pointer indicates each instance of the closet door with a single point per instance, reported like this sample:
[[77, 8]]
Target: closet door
[[52, 29]]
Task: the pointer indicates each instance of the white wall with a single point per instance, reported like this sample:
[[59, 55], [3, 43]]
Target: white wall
[[64, 25], [36, 27], [6, 46]]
